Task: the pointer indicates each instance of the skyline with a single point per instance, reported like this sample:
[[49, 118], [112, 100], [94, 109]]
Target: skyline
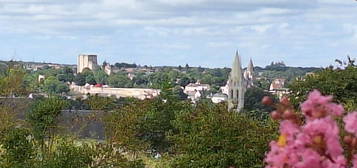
[[175, 32]]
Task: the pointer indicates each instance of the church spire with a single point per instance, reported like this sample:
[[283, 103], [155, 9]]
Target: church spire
[[236, 86], [250, 66], [236, 73]]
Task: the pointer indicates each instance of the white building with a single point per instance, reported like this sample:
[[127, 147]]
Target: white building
[[218, 98], [86, 61], [277, 88], [196, 87], [139, 93]]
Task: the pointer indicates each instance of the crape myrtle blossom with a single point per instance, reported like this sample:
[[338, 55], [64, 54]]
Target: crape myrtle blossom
[[351, 123], [318, 106], [314, 142]]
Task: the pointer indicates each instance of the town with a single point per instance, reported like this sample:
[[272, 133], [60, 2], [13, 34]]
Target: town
[[178, 84]]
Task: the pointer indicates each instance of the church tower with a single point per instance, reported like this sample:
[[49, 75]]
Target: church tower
[[236, 86], [249, 74]]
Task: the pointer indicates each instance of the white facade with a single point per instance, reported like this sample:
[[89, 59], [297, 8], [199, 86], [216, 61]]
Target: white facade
[[138, 93], [86, 61], [218, 98], [196, 87]]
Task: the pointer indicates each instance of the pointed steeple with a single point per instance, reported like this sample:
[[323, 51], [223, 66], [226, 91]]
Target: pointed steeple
[[236, 72], [250, 66]]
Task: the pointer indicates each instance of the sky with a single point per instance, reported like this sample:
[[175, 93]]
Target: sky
[[203, 33]]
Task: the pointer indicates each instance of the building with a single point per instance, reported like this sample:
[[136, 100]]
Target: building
[[195, 91], [139, 93], [249, 74], [107, 69], [238, 83], [86, 61], [277, 87], [219, 97], [197, 87]]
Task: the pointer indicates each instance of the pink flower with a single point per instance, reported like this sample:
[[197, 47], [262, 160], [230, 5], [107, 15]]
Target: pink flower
[[318, 106], [309, 159], [277, 156], [323, 136], [289, 129], [351, 123]]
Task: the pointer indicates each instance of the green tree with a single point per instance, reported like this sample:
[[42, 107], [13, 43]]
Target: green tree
[[100, 103], [101, 77], [66, 75], [143, 125], [341, 83], [19, 150], [12, 83], [80, 79], [253, 103], [42, 117], [120, 81], [210, 136], [53, 86]]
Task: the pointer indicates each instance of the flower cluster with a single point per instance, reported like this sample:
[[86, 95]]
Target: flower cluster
[[312, 140]]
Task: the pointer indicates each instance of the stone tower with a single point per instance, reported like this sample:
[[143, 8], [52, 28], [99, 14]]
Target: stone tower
[[236, 86], [86, 61], [249, 74]]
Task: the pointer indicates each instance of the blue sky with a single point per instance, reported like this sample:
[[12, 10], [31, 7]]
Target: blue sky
[[176, 32]]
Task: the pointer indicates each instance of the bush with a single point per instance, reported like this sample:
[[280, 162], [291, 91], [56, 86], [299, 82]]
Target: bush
[[211, 136]]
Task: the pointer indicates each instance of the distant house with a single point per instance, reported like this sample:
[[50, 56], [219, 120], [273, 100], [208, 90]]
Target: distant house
[[194, 91], [278, 83], [219, 97], [197, 87], [277, 87]]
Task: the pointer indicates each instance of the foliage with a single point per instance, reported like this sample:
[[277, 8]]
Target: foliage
[[80, 79], [142, 126], [66, 75], [53, 86], [100, 77], [210, 136], [252, 103], [87, 76], [107, 155], [125, 65], [7, 119], [70, 155], [119, 80], [100, 103], [19, 150], [341, 83], [12, 83], [42, 116]]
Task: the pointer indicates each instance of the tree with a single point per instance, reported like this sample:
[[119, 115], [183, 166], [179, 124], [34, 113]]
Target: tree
[[80, 79], [19, 150], [253, 103], [90, 79], [53, 86], [341, 83], [66, 75], [12, 83], [143, 125], [42, 117], [211, 136], [100, 103], [101, 77], [120, 81], [185, 81]]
